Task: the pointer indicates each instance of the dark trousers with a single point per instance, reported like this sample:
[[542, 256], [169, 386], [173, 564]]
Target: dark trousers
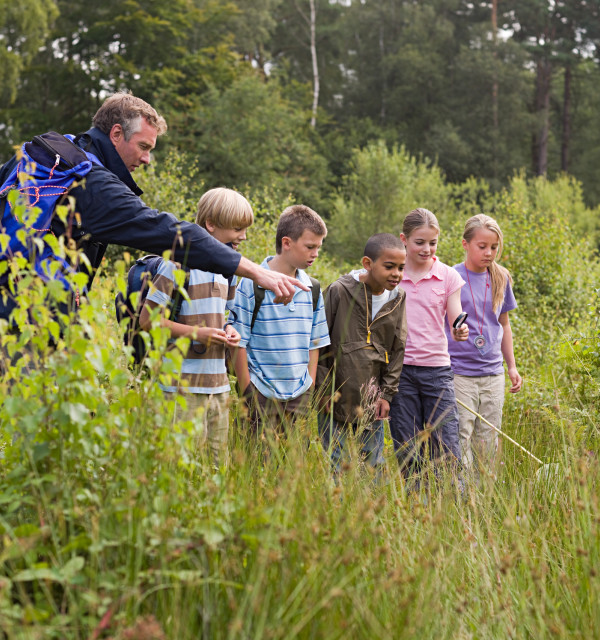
[[424, 417]]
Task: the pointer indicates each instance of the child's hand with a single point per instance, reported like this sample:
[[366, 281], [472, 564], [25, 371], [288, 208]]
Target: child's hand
[[233, 337], [208, 335], [515, 379], [382, 409], [460, 335]]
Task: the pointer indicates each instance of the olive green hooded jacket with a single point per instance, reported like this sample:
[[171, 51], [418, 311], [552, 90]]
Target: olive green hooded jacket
[[362, 350]]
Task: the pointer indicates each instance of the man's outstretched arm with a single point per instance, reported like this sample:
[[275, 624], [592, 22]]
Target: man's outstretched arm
[[281, 285], [114, 214]]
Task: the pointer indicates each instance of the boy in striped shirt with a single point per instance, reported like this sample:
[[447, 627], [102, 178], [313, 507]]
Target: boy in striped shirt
[[226, 215], [276, 362]]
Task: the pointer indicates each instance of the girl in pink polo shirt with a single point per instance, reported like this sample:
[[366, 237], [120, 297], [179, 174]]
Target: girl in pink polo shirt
[[478, 363], [423, 414]]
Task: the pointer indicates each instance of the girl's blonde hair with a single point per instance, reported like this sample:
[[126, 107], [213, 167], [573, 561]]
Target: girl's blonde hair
[[498, 274], [225, 208], [419, 218]]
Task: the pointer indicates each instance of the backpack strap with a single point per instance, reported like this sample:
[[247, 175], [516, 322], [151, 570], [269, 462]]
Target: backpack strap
[[316, 291], [143, 272], [177, 298], [259, 296]]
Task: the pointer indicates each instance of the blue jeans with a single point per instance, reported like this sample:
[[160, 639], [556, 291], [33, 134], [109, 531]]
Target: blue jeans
[[425, 400], [334, 436]]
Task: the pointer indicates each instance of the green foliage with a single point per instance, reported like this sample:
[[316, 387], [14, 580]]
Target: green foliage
[[166, 54], [555, 272], [234, 80], [113, 524], [383, 186], [110, 525], [585, 148], [23, 27], [290, 52], [580, 352], [172, 184], [252, 134], [255, 22]]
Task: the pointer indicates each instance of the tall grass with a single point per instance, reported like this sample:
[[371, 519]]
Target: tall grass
[[112, 528]]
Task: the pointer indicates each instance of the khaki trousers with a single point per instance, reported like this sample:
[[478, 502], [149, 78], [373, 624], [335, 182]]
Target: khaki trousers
[[210, 415], [478, 441]]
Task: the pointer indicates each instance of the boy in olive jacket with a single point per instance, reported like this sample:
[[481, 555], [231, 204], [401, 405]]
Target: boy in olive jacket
[[358, 374]]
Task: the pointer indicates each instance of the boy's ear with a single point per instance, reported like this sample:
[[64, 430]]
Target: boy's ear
[[209, 226], [286, 241], [367, 263]]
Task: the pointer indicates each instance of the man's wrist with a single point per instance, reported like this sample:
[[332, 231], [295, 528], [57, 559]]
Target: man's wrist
[[247, 268]]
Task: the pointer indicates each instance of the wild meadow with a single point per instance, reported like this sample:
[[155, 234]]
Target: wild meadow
[[113, 526]]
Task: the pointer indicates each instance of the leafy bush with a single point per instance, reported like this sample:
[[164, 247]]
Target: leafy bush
[[113, 525], [383, 186]]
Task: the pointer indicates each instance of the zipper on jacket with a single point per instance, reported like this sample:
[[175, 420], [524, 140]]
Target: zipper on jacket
[[387, 313], [370, 324]]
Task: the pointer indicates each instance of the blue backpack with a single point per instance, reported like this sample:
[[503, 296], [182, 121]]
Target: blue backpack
[[42, 175]]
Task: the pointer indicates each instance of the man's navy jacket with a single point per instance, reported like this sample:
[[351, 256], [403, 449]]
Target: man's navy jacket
[[111, 212]]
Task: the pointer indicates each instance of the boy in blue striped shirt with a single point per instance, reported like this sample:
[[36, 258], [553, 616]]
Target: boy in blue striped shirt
[[276, 362], [203, 378]]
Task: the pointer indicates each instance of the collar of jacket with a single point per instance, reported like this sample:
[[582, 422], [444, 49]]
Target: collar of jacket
[[98, 143], [355, 287]]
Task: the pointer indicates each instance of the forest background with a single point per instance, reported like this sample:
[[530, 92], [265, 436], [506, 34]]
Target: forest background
[[362, 110], [279, 93]]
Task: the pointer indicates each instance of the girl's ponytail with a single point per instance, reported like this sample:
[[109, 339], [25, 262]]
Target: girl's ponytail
[[498, 274]]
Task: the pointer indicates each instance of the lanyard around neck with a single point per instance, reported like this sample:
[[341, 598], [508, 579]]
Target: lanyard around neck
[[487, 275]]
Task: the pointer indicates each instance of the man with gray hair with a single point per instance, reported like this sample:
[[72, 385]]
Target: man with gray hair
[[108, 208]]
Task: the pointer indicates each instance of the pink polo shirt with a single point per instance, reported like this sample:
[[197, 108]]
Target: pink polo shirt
[[426, 301]]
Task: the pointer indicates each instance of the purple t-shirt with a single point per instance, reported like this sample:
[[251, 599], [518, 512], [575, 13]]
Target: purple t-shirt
[[466, 358]]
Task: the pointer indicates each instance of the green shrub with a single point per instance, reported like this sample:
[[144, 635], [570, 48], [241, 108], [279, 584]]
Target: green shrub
[[111, 524], [382, 188]]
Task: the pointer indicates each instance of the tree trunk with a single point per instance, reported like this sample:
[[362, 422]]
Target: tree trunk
[[382, 113], [495, 132], [566, 120], [542, 111], [315, 67]]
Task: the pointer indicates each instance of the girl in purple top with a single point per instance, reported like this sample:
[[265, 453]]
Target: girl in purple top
[[423, 416], [478, 363]]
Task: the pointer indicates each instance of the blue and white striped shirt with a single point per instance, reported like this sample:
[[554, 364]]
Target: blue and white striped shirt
[[278, 347]]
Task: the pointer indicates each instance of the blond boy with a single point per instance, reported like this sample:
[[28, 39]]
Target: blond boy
[[226, 215]]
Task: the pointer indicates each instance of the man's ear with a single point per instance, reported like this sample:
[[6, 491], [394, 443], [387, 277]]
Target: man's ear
[[116, 133], [367, 263]]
